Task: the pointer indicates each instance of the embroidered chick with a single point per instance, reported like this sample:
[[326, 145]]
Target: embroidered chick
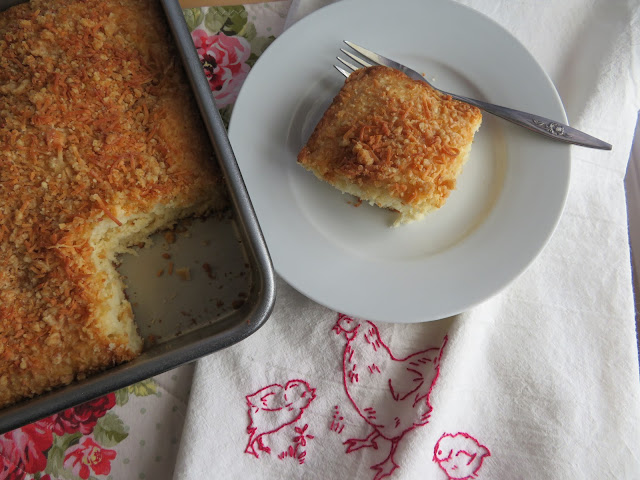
[[459, 455], [274, 407]]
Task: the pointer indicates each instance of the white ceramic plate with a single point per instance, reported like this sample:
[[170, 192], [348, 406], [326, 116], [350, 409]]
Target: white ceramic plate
[[508, 199]]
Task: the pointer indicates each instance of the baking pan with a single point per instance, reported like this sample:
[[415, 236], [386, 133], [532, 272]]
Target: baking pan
[[201, 288]]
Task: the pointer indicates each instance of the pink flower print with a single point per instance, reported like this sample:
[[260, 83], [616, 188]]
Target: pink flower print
[[9, 471], [82, 418], [223, 59], [87, 456], [24, 448]]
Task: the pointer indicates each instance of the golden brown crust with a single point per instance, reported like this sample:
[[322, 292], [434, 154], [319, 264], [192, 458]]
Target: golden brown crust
[[390, 137], [96, 124]]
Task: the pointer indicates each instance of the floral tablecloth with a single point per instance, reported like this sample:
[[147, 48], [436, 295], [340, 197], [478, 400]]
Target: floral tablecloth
[[133, 433]]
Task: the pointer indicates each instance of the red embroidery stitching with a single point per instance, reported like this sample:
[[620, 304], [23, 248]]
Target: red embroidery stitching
[[336, 424], [409, 390], [296, 451], [459, 455], [273, 407]]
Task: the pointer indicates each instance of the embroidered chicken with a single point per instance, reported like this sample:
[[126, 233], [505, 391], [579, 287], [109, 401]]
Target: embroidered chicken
[[459, 455], [274, 407], [391, 394]]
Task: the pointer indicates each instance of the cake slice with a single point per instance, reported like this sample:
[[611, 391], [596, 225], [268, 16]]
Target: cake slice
[[392, 141], [101, 144]]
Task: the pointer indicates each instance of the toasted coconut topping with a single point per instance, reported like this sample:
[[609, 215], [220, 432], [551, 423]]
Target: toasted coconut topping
[[393, 141], [97, 125]]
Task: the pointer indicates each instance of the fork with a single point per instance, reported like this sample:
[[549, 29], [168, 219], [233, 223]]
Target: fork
[[544, 126]]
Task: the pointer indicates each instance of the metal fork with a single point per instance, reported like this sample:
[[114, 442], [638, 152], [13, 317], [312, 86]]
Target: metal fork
[[544, 126]]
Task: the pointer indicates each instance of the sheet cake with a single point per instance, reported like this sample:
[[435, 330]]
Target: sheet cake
[[101, 144]]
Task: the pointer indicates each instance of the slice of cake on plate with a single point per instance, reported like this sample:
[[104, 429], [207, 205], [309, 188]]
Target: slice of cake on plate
[[392, 141]]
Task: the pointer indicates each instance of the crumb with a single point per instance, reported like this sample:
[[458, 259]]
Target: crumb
[[152, 339], [160, 272], [219, 303], [170, 268], [207, 268], [184, 273], [166, 256], [236, 304], [170, 237]]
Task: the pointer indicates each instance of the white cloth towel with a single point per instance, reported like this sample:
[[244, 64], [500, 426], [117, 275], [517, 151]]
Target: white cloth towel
[[539, 382]]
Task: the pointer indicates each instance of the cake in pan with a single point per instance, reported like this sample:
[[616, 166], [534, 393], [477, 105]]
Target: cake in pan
[[392, 141], [101, 144]]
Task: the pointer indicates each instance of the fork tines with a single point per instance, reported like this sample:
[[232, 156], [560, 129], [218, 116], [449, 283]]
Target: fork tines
[[369, 62]]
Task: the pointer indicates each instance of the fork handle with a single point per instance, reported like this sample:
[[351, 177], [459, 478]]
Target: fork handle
[[544, 126]]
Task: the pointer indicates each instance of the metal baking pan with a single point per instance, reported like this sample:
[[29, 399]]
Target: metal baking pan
[[225, 293]]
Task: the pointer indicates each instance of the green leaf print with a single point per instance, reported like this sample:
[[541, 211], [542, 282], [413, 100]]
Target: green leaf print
[[258, 46], [143, 388], [110, 430], [228, 20], [55, 455], [55, 458], [193, 17], [225, 113], [213, 21], [122, 396], [249, 32]]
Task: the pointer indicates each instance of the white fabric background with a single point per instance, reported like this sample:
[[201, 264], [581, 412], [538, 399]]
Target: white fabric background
[[545, 374]]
